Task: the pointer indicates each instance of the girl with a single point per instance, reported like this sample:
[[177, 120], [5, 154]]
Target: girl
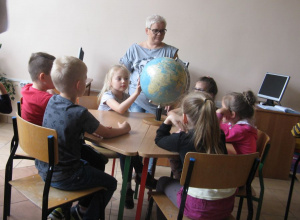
[[205, 136], [204, 84], [207, 84], [112, 96], [236, 120]]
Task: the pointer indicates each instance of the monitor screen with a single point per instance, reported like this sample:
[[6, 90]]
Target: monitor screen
[[273, 87], [81, 53]]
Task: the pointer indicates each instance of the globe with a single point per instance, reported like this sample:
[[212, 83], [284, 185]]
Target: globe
[[164, 80]]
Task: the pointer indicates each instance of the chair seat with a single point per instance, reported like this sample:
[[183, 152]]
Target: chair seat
[[169, 209], [32, 187]]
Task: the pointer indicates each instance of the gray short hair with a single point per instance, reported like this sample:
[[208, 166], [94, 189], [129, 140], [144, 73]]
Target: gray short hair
[[152, 19]]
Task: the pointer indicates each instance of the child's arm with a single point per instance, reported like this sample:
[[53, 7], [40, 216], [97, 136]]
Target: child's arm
[[175, 118], [108, 132], [2, 89], [125, 105], [223, 113]]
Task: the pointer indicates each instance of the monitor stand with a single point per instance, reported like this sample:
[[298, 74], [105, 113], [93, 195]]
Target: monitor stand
[[269, 102]]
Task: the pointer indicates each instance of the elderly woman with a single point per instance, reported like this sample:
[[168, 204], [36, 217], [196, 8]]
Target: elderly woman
[[138, 55]]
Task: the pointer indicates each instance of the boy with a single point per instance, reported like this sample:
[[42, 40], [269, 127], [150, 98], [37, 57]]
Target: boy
[[5, 103], [71, 121], [36, 95]]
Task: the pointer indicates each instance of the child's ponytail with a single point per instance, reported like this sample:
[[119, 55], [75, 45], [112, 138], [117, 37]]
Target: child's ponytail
[[201, 110]]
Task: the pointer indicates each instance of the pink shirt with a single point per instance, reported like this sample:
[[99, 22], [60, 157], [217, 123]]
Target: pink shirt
[[242, 135]]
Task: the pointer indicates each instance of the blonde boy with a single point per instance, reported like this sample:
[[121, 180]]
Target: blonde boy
[[71, 121]]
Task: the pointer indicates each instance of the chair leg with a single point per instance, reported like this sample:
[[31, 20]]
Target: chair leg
[[136, 191], [7, 200], [259, 205], [238, 214], [7, 186], [149, 210], [113, 167], [291, 189]]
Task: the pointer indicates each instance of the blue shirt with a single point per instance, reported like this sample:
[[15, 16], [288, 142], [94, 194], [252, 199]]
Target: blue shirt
[[70, 122], [135, 59]]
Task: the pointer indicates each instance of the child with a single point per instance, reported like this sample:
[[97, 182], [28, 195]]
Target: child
[[203, 135], [204, 84], [5, 103], [114, 98], [71, 121], [236, 120], [207, 84], [36, 95]]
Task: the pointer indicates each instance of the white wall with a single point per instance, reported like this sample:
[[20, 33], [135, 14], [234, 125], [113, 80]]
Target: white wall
[[234, 41]]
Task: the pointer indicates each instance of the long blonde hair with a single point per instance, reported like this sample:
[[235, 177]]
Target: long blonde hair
[[108, 78], [201, 112]]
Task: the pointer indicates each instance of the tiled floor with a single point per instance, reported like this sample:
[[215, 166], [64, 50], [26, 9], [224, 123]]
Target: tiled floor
[[275, 198]]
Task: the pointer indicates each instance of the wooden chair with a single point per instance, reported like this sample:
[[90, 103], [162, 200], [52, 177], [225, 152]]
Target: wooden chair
[[20, 154], [263, 147], [210, 171], [91, 102], [297, 152], [40, 143]]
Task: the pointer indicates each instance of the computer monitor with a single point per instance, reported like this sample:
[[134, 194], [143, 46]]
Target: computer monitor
[[81, 54], [273, 87]]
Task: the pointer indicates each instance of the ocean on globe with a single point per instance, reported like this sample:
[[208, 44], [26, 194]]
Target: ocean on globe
[[163, 80]]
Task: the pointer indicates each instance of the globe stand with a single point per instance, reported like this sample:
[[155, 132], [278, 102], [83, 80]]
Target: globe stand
[[157, 120]]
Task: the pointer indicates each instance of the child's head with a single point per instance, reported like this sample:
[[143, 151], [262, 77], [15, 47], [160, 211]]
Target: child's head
[[115, 74], [200, 111], [240, 103], [40, 63], [69, 75], [207, 84]]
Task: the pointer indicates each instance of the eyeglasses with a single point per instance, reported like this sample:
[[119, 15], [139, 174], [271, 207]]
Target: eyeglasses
[[156, 31], [199, 89]]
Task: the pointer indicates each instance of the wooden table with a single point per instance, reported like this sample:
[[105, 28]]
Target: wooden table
[[127, 144], [149, 149]]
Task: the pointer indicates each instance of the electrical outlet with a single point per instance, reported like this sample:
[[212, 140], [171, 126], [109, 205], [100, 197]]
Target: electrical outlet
[[23, 83]]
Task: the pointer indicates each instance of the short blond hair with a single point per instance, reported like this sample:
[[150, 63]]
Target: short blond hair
[[66, 71]]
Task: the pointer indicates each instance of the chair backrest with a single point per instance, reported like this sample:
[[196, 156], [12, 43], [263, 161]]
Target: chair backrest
[[261, 142], [90, 102], [33, 140], [218, 171]]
